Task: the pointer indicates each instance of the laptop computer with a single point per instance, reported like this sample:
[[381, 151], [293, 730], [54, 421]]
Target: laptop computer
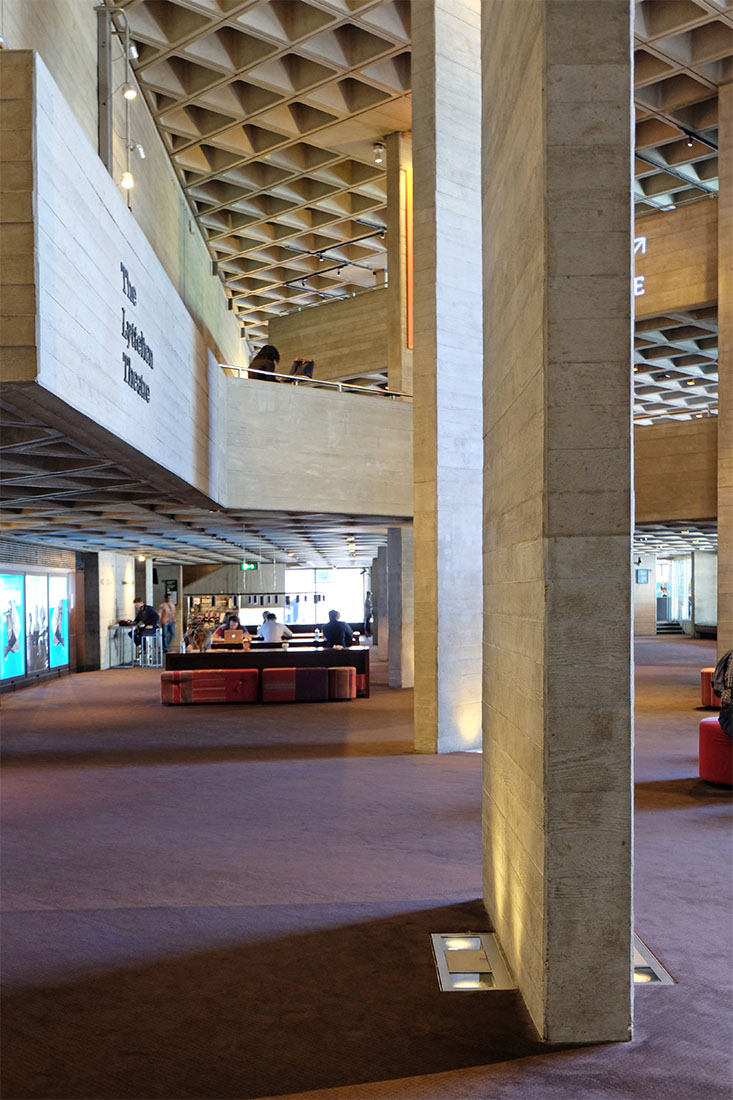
[[235, 636]]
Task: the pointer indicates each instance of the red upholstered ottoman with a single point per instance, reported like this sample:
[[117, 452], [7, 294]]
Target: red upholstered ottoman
[[342, 682], [360, 683], [311, 685], [294, 685], [278, 685], [209, 685], [716, 753], [708, 696]]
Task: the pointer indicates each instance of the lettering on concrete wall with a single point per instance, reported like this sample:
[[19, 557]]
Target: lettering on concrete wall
[[639, 249], [134, 341]]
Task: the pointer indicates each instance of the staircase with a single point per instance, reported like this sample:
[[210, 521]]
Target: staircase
[[669, 626]]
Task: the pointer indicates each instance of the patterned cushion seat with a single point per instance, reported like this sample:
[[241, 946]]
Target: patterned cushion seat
[[209, 685], [294, 685], [342, 682]]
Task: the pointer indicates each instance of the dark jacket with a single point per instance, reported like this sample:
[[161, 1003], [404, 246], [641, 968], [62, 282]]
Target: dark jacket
[[147, 616], [268, 365], [337, 633]]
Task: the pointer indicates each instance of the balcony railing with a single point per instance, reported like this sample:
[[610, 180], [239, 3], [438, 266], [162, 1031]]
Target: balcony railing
[[319, 383]]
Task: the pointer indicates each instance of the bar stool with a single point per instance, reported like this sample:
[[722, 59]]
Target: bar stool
[[150, 653]]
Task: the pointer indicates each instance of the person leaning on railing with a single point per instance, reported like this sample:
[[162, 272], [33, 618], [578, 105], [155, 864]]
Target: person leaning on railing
[[266, 360], [303, 368]]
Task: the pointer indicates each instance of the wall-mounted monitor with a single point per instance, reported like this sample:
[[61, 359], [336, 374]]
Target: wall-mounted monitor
[[36, 611], [58, 604], [12, 626]]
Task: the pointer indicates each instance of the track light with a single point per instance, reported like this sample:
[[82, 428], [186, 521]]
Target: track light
[[127, 181], [139, 150], [690, 143], [132, 50], [128, 91], [378, 152]]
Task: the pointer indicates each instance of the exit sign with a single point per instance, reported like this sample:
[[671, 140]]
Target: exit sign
[[250, 565]]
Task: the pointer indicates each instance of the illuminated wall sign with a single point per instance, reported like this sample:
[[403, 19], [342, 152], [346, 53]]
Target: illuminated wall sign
[[12, 626], [639, 250], [58, 636], [250, 565], [135, 341]]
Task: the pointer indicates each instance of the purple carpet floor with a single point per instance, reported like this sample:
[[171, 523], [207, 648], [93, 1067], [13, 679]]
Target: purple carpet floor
[[235, 902]]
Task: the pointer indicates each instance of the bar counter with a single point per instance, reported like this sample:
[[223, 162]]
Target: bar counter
[[300, 657]]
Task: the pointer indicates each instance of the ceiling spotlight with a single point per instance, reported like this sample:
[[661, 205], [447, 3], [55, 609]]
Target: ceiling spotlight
[[127, 181], [128, 91], [133, 51], [690, 143], [320, 257], [139, 150], [381, 234], [378, 152], [141, 557]]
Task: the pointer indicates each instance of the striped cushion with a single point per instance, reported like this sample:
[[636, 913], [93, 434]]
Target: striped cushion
[[278, 685], [209, 685], [342, 682]]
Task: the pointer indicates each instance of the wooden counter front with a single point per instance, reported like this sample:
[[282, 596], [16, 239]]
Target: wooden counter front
[[358, 656]]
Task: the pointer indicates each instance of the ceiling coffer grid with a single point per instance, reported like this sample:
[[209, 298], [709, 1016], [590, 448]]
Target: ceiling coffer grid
[[683, 52], [269, 110]]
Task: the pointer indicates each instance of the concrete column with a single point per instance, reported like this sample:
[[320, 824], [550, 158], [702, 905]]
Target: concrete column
[[725, 369], [447, 374], [380, 599], [558, 508], [399, 260], [400, 581], [704, 590]]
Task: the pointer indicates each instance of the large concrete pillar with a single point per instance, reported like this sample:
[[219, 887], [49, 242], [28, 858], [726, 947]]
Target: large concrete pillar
[[447, 374], [725, 369], [558, 507], [399, 262], [400, 581]]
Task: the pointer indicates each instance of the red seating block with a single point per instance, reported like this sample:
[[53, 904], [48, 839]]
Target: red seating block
[[209, 685], [708, 696], [278, 685], [311, 685], [294, 685], [716, 753], [360, 683], [342, 682]]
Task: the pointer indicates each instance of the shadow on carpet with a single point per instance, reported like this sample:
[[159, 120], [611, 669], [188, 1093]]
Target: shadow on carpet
[[333, 1006]]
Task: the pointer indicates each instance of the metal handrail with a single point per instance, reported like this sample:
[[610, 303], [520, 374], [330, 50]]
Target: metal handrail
[[321, 383]]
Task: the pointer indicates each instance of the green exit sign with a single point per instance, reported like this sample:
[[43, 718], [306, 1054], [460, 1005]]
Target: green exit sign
[[250, 565]]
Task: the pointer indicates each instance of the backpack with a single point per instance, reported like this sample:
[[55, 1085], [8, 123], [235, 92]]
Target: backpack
[[719, 676]]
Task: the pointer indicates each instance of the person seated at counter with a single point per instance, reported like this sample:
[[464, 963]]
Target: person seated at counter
[[232, 622], [335, 632], [273, 631]]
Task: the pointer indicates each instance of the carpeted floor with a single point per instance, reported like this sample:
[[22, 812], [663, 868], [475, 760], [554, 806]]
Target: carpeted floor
[[235, 902]]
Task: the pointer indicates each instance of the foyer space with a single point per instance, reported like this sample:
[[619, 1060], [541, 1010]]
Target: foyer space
[[233, 902]]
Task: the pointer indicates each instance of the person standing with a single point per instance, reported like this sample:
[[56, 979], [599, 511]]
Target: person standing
[[167, 612], [368, 614]]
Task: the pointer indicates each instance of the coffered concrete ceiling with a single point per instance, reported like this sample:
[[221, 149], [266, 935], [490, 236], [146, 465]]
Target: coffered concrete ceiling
[[676, 538], [270, 110], [683, 51], [58, 491], [676, 366]]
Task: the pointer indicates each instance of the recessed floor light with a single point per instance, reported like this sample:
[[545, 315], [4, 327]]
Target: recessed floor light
[[468, 961], [647, 968]]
